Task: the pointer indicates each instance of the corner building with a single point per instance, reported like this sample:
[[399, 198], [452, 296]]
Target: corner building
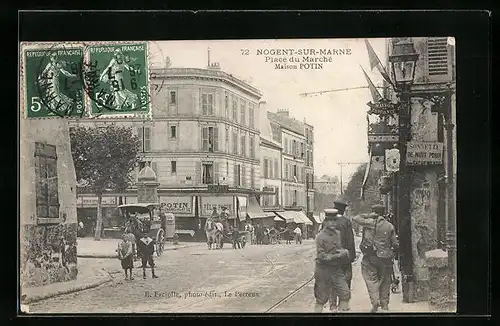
[[202, 143]]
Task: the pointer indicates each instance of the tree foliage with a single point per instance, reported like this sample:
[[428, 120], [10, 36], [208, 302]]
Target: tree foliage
[[353, 191], [104, 157]]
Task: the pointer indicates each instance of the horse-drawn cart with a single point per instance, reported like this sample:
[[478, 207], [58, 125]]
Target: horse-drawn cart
[[142, 217]]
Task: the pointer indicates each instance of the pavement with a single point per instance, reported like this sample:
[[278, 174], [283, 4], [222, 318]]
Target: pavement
[[106, 248], [256, 279], [94, 269]]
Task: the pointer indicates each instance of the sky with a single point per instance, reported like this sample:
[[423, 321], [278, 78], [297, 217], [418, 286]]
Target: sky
[[339, 118]]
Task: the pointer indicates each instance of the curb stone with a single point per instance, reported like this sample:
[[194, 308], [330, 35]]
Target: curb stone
[[108, 278], [115, 256]]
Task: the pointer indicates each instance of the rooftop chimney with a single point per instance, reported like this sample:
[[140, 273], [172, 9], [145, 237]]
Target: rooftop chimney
[[283, 113], [214, 66]]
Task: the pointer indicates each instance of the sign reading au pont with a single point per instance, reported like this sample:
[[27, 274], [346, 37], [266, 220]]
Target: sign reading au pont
[[424, 153]]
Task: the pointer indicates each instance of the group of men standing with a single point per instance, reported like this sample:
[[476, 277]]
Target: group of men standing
[[336, 252]]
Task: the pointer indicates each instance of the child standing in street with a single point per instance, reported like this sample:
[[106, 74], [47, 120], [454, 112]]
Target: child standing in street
[[146, 248], [125, 254]]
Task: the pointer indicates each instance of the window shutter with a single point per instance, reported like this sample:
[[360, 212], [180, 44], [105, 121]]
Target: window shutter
[[147, 139], [140, 134], [199, 175], [204, 138], [277, 175], [252, 176], [265, 168], [216, 173], [243, 176], [437, 59], [216, 139], [235, 175]]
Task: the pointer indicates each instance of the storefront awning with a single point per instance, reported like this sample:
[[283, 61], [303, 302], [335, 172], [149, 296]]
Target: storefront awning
[[289, 216], [303, 218], [317, 219], [278, 219], [254, 210]]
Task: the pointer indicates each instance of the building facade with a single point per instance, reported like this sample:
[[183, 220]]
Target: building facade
[[202, 142], [434, 76], [48, 219]]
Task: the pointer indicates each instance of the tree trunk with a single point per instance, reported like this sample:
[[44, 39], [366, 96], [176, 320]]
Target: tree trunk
[[98, 224]]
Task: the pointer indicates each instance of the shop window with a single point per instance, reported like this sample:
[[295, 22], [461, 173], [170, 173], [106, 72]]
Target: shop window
[[47, 191]]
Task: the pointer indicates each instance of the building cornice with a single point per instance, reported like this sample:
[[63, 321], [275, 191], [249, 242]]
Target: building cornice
[[197, 153], [205, 74]]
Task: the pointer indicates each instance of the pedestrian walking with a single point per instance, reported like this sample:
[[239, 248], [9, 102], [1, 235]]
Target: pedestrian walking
[[235, 237], [298, 235], [377, 245], [146, 248], [328, 273], [344, 225], [125, 255]]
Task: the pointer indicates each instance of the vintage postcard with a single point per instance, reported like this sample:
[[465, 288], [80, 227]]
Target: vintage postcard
[[238, 176]]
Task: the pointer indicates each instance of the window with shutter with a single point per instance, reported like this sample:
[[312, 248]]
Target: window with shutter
[[243, 176], [286, 145], [235, 143], [140, 134], [271, 172], [47, 191], [147, 139], [437, 53], [226, 105], [251, 115], [215, 137], [277, 174], [252, 147], [226, 139], [235, 109], [243, 145], [204, 139], [243, 109], [199, 176], [252, 176], [265, 169], [286, 172], [216, 173], [207, 104], [173, 167]]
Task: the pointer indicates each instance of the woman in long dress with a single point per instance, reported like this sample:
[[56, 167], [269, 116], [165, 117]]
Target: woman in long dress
[[113, 75], [50, 75]]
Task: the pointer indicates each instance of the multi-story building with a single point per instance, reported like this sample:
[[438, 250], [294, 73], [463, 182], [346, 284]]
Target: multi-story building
[[202, 142], [423, 227], [297, 189]]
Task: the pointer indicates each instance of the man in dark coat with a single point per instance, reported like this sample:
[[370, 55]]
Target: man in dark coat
[[378, 245], [344, 225], [146, 248], [328, 272]]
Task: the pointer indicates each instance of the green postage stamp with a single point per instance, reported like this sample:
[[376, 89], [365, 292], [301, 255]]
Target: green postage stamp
[[53, 81], [116, 78]]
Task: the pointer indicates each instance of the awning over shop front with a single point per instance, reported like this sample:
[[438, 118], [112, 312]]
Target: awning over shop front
[[303, 218], [254, 210], [279, 219], [317, 219], [289, 216]]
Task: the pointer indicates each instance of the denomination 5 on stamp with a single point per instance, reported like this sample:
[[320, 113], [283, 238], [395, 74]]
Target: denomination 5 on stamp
[[53, 84], [116, 78]]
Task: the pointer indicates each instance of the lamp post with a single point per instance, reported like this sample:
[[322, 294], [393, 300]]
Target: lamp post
[[403, 60]]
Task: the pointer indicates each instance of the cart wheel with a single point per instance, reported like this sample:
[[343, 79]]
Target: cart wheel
[[160, 242]]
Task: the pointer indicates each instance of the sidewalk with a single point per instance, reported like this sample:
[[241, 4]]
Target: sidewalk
[[106, 248], [91, 273]]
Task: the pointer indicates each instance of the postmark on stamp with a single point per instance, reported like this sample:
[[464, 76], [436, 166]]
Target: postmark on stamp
[[116, 78], [53, 82]]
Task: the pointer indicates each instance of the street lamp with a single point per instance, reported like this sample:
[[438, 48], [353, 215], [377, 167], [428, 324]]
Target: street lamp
[[403, 60]]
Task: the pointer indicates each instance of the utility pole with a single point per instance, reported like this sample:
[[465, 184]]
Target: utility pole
[[341, 164]]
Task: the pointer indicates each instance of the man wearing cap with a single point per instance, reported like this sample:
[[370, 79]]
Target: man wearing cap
[[330, 257], [344, 225], [378, 245]]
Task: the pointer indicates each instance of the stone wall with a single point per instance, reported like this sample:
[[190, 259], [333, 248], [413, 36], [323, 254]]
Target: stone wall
[[47, 245], [50, 254]]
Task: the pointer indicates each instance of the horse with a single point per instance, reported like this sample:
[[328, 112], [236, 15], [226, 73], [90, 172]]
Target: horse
[[214, 234]]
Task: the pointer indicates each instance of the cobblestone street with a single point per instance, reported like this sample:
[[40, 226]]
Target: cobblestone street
[[196, 280]]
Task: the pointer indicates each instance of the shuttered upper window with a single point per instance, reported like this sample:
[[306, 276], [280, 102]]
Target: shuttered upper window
[[437, 56], [47, 191]]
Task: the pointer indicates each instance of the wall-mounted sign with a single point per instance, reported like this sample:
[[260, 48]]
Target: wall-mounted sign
[[207, 205], [218, 188], [177, 205], [92, 201], [424, 153], [392, 160]]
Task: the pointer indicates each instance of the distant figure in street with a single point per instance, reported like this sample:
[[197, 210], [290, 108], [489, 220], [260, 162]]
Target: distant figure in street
[[259, 233], [298, 235], [344, 225], [377, 245], [236, 238], [146, 248], [328, 274], [125, 255]]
